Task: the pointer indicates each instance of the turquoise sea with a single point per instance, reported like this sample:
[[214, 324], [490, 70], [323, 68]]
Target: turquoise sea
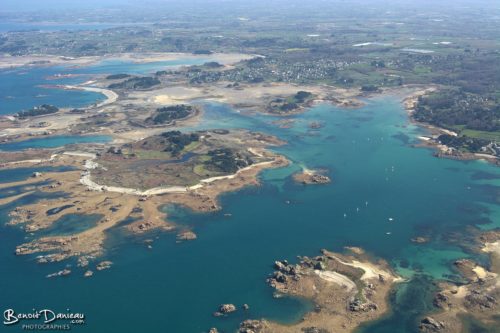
[[388, 190]]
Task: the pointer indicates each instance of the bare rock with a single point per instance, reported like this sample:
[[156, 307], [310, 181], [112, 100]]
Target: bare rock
[[311, 177], [225, 309], [441, 300], [429, 324], [252, 326], [280, 265], [104, 265], [280, 277], [314, 329], [357, 305], [480, 300], [83, 262], [63, 272], [285, 268], [186, 236]]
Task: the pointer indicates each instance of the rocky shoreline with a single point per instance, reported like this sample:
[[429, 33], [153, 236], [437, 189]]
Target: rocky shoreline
[[111, 206], [346, 289], [478, 297], [432, 141]]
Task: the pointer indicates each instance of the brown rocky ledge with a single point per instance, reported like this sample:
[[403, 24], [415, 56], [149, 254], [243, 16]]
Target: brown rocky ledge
[[308, 177], [186, 235], [347, 290]]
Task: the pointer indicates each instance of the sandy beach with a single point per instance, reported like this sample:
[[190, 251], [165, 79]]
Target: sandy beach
[[111, 96], [93, 186]]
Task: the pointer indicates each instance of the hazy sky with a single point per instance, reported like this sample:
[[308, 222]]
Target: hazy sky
[[52, 4], [36, 5]]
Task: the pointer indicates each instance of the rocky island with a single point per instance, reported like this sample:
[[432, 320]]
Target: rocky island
[[134, 180], [308, 177], [347, 290]]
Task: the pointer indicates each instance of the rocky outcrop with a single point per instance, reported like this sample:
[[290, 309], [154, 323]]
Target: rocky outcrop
[[63, 272], [346, 290], [225, 309], [311, 177], [83, 261], [441, 300], [357, 305], [252, 326], [314, 329], [479, 299], [186, 236], [284, 271], [466, 268], [104, 265], [285, 267], [429, 324]]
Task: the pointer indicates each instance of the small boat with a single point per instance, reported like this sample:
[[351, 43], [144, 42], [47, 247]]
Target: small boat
[[388, 233], [391, 219]]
